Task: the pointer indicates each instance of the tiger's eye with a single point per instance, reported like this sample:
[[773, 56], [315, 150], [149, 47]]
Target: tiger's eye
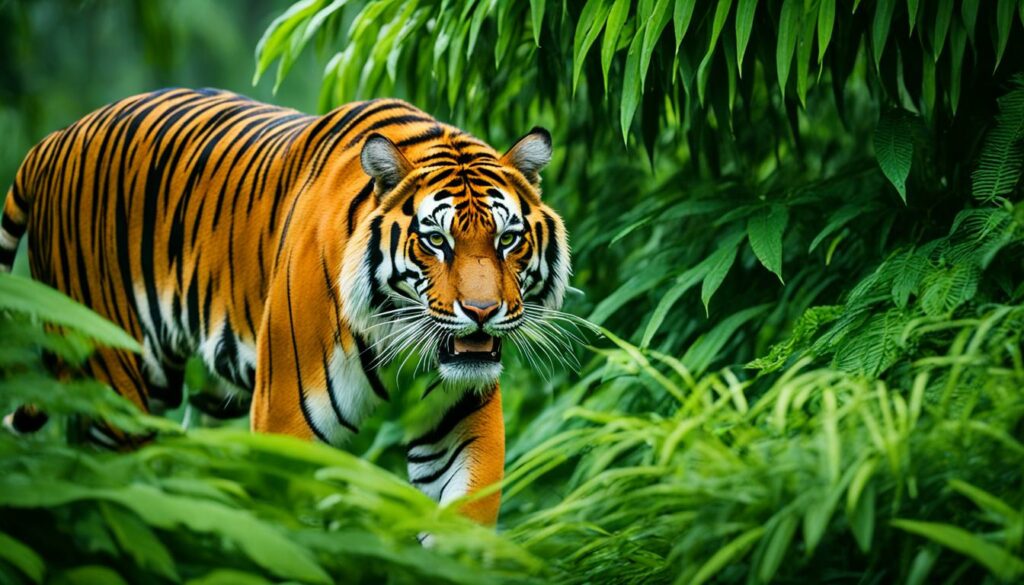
[[507, 239], [436, 240]]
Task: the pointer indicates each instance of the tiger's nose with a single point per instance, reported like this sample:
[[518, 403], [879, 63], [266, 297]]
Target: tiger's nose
[[480, 311]]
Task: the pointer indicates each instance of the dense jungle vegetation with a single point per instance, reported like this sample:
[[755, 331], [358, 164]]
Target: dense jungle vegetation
[[796, 221]]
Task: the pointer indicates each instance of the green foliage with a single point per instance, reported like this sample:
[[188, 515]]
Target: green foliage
[[862, 417]]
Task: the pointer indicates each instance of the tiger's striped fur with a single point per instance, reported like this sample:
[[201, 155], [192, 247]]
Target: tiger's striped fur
[[295, 254]]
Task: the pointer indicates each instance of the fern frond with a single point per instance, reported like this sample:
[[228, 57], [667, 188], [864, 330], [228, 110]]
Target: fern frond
[[999, 165]]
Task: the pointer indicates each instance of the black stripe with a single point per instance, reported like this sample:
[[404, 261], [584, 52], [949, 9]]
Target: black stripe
[[7, 256], [353, 207], [295, 349], [467, 405], [366, 358], [330, 393], [434, 132], [432, 477], [426, 458], [386, 122], [12, 227]]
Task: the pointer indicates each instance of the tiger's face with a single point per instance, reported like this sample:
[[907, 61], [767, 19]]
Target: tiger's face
[[462, 254]]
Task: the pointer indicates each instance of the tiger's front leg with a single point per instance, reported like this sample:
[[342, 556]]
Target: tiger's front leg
[[463, 454], [310, 377]]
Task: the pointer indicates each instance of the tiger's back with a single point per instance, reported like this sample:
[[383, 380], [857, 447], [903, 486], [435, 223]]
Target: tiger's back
[[167, 212]]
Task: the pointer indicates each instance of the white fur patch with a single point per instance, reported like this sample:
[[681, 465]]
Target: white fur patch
[[7, 241], [350, 390]]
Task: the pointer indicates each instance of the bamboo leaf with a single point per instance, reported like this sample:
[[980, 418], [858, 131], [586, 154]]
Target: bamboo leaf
[[803, 57], [726, 555], [1004, 20], [969, 16], [616, 19], [631, 86], [826, 21], [655, 24], [958, 42], [46, 304], [719, 264], [22, 557], [1001, 563], [682, 13], [537, 18], [880, 29], [683, 283], [588, 28], [745, 11], [862, 518], [779, 540], [912, 8], [942, 20], [703, 71], [996, 508], [789, 28]]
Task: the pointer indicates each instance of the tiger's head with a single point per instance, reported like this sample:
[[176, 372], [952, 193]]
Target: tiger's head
[[460, 254]]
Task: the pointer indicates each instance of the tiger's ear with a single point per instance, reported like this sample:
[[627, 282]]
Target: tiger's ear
[[382, 160], [530, 154]]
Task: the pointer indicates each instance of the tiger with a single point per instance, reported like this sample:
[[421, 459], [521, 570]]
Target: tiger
[[295, 255]]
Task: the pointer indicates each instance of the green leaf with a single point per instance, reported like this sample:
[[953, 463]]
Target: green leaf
[[22, 557], [862, 519], [616, 19], [263, 544], [718, 267], [588, 28], [843, 216], [764, 231], [681, 16], [803, 57], [228, 577], [894, 148], [537, 18], [721, 16], [273, 42], [880, 29], [790, 20], [90, 575], [912, 6], [727, 555], [683, 283], [1004, 565], [946, 289], [826, 22], [969, 16], [996, 508], [655, 24], [631, 86], [778, 541], [921, 568], [46, 304], [943, 17], [136, 539], [744, 24], [1004, 20], [958, 42], [703, 352]]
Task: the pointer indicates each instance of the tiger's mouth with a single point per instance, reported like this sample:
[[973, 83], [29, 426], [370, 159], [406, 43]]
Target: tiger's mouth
[[472, 348]]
